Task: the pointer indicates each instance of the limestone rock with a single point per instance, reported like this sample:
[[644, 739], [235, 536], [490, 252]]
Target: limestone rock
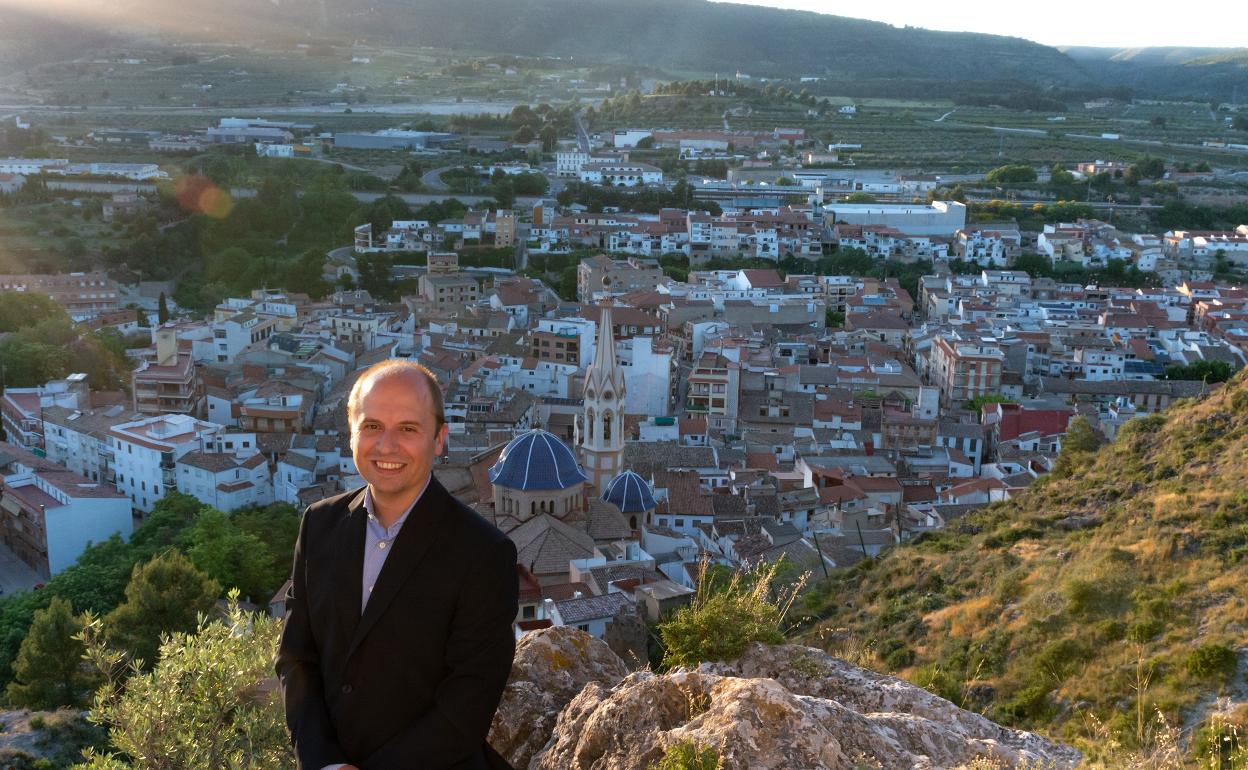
[[550, 668], [781, 707]]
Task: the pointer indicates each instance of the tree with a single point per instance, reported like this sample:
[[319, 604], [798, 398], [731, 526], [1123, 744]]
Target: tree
[[165, 595], [1019, 173], [208, 703], [1080, 437], [50, 671], [1060, 177], [231, 557], [549, 136], [523, 135], [1240, 123], [162, 310], [1204, 370]]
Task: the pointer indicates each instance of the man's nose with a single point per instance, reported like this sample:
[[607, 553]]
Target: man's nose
[[388, 440]]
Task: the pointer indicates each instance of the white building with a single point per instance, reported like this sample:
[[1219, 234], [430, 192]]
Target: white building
[[943, 218], [275, 150], [146, 453], [619, 174], [51, 514], [629, 137], [29, 166], [569, 162], [226, 480], [647, 376]]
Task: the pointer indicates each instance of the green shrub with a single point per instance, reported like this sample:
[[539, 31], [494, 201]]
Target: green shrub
[[1058, 659], [687, 755], [1212, 661], [1111, 630], [725, 618], [902, 657], [37, 722], [1030, 704], [1145, 630]]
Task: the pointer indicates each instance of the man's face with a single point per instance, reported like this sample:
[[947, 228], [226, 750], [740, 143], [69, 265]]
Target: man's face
[[394, 436]]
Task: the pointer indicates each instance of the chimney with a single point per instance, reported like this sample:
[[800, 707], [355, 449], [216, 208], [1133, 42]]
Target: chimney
[[166, 346]]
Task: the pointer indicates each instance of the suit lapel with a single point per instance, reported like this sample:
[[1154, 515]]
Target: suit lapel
[[410, 547], [349, 562]]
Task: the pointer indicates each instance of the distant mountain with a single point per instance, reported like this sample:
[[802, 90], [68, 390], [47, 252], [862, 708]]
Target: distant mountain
[[1200, 73], [684, 36], [693, 35]]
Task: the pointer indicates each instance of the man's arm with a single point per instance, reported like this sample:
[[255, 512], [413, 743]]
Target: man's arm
[[299, 668], [479, 652]]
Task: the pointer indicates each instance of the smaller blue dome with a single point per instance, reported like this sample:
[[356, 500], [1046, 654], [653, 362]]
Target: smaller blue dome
[[630, 493], [537, 460]]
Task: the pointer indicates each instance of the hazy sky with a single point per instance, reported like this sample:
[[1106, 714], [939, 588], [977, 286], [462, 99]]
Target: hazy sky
[[1116, 23]]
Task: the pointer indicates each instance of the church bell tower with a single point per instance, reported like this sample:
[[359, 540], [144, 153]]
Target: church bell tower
[[602, 440]]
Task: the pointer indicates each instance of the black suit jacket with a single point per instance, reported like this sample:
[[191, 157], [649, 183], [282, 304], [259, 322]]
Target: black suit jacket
[[413, 682]]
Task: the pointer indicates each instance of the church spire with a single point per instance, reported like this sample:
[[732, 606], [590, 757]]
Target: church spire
[[602, 443]]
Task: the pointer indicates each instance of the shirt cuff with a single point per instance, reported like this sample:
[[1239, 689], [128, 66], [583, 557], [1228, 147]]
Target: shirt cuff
[[338, 766]]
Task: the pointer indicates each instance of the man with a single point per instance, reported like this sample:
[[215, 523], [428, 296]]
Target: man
[[398, 638]]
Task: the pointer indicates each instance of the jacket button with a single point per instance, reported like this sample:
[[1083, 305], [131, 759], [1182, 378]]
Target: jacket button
[[346, 689]]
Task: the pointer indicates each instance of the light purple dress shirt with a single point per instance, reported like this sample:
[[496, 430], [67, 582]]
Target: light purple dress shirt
[[378, 541]]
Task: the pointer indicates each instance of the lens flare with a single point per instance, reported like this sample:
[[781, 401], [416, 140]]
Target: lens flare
[[199, 194]]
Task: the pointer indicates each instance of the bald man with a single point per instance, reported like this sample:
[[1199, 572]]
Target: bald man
[[398, 638]]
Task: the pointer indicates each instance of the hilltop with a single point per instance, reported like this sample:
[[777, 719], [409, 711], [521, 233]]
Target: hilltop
[[680, 35], [1206, 73], [855, 57], [1105, 593]]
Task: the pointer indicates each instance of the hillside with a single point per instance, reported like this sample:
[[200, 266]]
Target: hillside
[[1197, 73], [1087, 604], [694, 35]]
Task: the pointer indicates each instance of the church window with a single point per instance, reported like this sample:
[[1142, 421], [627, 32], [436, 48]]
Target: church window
[[606, 426], [589, 426], [532, 507], [608, 396]]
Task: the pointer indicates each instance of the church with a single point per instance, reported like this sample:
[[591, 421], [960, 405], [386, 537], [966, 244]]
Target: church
[[559, 504]]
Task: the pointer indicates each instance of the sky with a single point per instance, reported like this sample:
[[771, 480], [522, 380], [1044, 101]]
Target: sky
[[1116, 23]]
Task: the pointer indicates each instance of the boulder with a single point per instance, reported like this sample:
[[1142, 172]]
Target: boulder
[[550, 668], [778, 707]]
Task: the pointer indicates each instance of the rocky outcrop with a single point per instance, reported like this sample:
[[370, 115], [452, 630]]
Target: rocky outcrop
[[774, 707], [551, 666]]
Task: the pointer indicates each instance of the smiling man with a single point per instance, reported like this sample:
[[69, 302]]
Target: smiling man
[[398, 638]]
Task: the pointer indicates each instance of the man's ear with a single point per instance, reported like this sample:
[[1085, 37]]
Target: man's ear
[[440, 444]]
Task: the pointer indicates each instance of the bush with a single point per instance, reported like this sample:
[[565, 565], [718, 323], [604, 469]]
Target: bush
[[1145, 629], [1212, 661], [210, 701], [727, 616], [687, 755]]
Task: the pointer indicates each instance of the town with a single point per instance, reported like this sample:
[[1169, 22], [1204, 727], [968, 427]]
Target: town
[[701, 385]]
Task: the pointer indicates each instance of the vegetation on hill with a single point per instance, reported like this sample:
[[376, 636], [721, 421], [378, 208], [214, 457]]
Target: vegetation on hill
[[1108, 596]]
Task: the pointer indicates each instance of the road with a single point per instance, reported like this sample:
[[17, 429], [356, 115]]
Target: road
[[582, 136], [432, 179], [418, 199]]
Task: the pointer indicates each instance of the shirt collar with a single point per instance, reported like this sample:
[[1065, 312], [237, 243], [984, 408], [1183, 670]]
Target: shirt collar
[[368, 507]]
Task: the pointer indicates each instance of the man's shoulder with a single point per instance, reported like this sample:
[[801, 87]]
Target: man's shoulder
[[331, 507], [473, 527]]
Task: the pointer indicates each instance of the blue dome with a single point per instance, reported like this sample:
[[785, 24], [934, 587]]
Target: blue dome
[[630, 493], [537, 460]]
